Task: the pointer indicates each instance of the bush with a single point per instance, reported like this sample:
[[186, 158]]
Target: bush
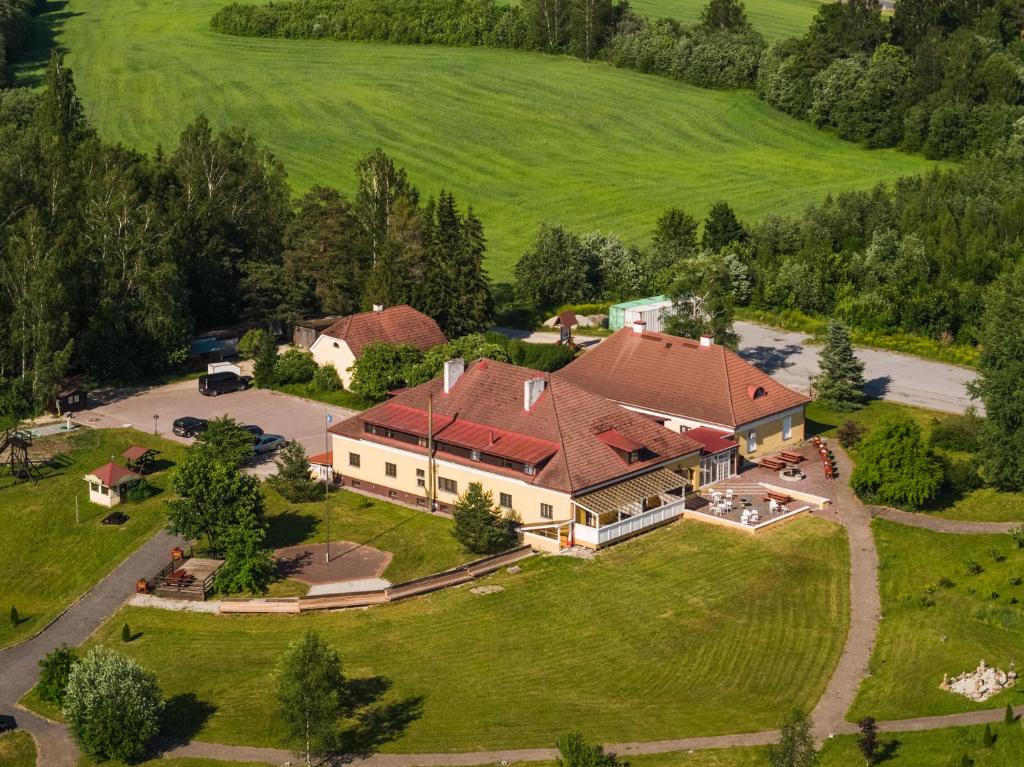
[[1018, 536], [126, 633], [850, 434], [895, 467], [15, 618], [294, 367], [961, 475], [575, 751], [544, 357], [959, 433], [54, 671], [252, 342], [140, 491], [326, 378], [973, 568], [112, 705]]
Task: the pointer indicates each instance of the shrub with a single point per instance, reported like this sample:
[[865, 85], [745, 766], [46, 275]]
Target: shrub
[[54, 671], [544, 357], [850, 434], [252, 342], [326, 378], [895, 467], [1018, 536], [961, 474], [996, 555], [987, 738], [1008, 717], [139, 491], [575, 751], [126, 633], [112, 705], [1016, 580], [973, 568], [946, 583], [295, 366], [382, 368], [959, 433], [15, 618]]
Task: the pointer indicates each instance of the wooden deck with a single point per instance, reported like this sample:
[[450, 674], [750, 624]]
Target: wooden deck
[[191, 579]]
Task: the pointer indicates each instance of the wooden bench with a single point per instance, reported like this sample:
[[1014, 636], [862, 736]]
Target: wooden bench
[[773, 464], [792, 457], [779, 497]]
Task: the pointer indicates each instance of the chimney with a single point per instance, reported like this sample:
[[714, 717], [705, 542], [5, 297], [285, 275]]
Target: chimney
[[378, 307], [532, 390], [453, 370], [639, 326], [706, 341]]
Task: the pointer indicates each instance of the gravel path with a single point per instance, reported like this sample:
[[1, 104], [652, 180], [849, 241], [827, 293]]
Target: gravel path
[[19, 665], [940, 525]]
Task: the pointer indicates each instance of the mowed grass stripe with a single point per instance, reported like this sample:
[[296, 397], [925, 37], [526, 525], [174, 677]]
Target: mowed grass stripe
[[690, 630], [523, 137]]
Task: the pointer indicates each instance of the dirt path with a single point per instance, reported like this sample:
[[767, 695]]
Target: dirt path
[[940, 525]]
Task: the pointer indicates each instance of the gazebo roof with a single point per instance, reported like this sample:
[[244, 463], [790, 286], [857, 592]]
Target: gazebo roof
[[112, 475], [135, 452]]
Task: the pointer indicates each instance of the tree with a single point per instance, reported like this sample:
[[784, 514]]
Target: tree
[[549, 24], [380, 188], [556, 270], [575, 751], [467, 348], [112, 705], [252, 342], [126, 633], [589, 26], [675, 238], [13, 616], [479, 525], [326, 379], [1000, 371], [226, 441], [988, 738], [15, 402], [248, 562], [1008, 717], [311, 695], [867, 741], [724, 14], [265, 369], [895, 467], [293, 479], [295, 366], [840, 384], [54, 672], [381, 369], [703, 299], [721, 228], [796, 743]]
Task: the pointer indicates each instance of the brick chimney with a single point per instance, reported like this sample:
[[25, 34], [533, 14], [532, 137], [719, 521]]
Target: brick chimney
[[639, 326], [706, 341], [532, 390], [453, 370]]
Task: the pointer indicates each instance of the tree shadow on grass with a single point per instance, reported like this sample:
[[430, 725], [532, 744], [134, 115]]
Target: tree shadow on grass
[[877, 387], [184, 715], [29, 65], [290, 528], [376, 725], [889, 750]]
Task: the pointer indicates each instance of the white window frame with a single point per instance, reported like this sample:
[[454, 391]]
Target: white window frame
[[751, 441], [787, 427]]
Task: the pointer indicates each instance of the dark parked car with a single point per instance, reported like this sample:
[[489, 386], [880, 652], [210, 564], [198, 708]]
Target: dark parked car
[[253, 429], [220, 383], [267, 443], [189, 426]]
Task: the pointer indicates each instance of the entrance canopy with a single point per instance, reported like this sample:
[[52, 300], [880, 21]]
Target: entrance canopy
[[610, 500]]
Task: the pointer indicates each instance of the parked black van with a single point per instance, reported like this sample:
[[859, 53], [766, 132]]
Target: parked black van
[[219, 383]]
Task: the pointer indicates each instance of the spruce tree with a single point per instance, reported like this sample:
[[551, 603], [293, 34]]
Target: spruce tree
[[987, 738], [479, 526], [15, 618], [126, 633], [1000, 371], [722, 228], [840, 385], [474, 309], [1008, 717]]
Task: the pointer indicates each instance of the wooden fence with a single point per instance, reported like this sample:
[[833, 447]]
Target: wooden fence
[[454, 577]]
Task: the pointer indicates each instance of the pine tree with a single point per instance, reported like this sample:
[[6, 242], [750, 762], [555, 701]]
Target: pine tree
[[479, 526], [840, 385], [15, 618], [126, 633], [473, 306], [1008, 717], [987, 738], [722, 228], [265, 368], [293, 479]]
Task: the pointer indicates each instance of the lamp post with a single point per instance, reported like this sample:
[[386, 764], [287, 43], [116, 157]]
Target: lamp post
[[156, 420]]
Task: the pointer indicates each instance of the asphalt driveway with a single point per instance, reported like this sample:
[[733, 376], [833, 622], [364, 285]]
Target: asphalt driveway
[[275, 413]]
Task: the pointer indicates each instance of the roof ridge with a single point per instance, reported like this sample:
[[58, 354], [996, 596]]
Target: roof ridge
[[728, 386], [561, 439]]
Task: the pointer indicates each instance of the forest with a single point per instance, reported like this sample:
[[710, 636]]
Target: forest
[[943, 78]]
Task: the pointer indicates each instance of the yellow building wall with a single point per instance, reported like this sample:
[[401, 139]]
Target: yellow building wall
[[373, 458], [331, 351], [769, 435]]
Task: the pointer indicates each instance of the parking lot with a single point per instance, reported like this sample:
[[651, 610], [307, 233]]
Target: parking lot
[[275, 413]]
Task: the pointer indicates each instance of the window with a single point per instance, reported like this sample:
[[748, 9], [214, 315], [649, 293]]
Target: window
[[787, 427], [390, 470], [421, 441], [336, 346], [355, 483], [752, 442], [420, 481], [353, 459], [474, 455], [505, 500], [633, 457], [529, 469], [94, 486], [547, 511], [507, 464], [448, 485], [392, 493], [683, 428]]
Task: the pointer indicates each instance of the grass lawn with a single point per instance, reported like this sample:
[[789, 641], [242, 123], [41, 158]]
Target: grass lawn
[[935, 748], [716, 757], [688, 630], [918, 641], [522, 137], [48, 560], [981, 505], [17, 750], [421, 543], [775, 19], [340, 398]]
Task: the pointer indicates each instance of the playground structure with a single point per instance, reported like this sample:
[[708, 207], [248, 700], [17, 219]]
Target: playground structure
[[15, 443]]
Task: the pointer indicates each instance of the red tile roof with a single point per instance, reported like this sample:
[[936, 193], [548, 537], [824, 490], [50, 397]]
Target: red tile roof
[[678, 376], [322, 459], [560, 432], [394, 325], [713, 440], [111, 474], [621, 441]]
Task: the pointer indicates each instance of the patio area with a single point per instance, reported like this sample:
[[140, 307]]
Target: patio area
[[759, 496]]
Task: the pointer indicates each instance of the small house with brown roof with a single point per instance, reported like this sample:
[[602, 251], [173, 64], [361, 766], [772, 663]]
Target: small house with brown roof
[[109, 483], [569, 465], [342, 343], [694, 387]]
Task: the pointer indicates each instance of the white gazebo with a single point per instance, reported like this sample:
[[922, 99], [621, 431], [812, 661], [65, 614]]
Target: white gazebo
[[108, 483]]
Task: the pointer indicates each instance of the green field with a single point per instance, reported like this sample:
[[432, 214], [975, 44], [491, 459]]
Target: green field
[[48, 560], [523, 137], [775, 19], [689, 630], [918, 642]]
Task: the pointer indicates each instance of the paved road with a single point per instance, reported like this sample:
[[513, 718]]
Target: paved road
[[19, 665], [891, 376]]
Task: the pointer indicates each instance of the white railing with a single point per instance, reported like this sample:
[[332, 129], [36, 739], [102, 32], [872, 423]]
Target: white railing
[[599, 536]]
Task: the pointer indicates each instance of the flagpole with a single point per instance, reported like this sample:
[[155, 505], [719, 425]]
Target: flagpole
[[327, 486]]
